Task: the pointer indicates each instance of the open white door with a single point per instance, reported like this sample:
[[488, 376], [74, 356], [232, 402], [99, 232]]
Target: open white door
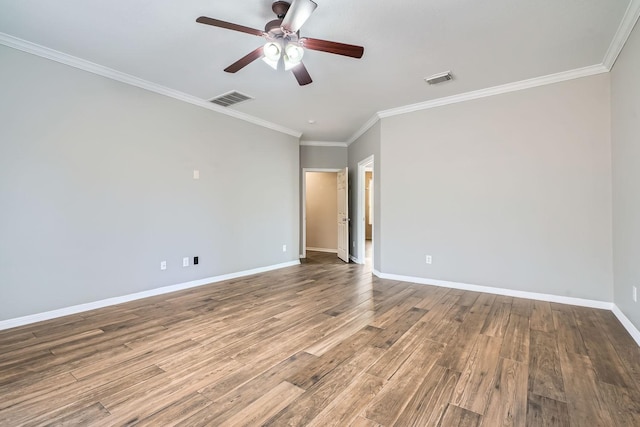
[[343, 215]]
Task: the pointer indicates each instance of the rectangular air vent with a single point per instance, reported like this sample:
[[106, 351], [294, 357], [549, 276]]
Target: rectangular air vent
[[439, 78], [230, 98]]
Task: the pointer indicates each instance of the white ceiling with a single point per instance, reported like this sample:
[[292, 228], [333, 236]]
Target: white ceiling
[[484, 43]]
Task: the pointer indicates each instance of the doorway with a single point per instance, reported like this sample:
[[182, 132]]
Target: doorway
[[368, 214], [319, 210], [365, 232]]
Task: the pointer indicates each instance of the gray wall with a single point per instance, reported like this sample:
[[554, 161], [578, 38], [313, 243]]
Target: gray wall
[[367, 145], [511, 191], [625, 130], [323, 157], [96, 189]]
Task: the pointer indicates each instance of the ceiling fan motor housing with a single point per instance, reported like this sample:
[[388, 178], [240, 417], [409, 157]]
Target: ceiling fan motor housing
[[273, 28], [280, 8]]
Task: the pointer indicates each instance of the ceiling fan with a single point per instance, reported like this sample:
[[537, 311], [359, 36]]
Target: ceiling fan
[[284, 48]]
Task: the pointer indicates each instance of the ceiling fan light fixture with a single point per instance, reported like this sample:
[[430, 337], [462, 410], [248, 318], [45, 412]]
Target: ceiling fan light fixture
[[294, 53], [272, 51]]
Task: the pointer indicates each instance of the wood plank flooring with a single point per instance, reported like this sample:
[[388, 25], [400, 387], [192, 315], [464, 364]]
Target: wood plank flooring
[[323, 343]]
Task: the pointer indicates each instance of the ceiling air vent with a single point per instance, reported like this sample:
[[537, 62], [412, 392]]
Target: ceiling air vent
[[439, 78], [230, 98]]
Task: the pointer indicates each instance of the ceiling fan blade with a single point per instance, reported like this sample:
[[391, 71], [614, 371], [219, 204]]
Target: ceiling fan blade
[[229, 26], [332, 47], [302, 75], [245, 60], [297, 15]]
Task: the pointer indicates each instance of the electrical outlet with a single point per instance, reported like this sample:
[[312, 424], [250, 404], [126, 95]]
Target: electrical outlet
[[185, 262], [284, 248], [635, 294], [428, 259], [163, 265], [195, 260], [196, 174]]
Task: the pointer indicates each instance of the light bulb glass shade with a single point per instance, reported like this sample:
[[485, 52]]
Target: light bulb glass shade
[[270, 63], [294, 53], [271, 51]]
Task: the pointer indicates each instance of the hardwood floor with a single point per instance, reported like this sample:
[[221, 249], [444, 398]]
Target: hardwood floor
[[323, 343]]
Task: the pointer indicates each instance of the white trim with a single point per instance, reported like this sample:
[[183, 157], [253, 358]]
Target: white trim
[[355, 260], [331, 251], [497, 90], [622, 34], [498, 291], [323, 144], [110, 73], [33, 318], [336, 170], [633, 331], [365, 127]]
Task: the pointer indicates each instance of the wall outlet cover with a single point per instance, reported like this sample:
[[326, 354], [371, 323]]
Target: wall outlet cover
[[185, 262], [284, 248], [163, 265], [195, 260], [428, 259]]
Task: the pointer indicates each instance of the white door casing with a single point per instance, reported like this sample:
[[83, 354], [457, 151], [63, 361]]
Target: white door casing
[[343, 215]]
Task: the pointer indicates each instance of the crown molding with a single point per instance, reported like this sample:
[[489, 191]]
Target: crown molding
[[365, 127], [482, 93], [323, 144], [91, 67], [497, 90], [624, 31]]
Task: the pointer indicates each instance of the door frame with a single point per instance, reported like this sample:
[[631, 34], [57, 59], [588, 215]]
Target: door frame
[[360, 238], [303, 249]]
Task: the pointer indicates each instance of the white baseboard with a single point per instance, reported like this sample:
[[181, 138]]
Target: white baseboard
[[331, 251], [499, 291], [38, 317], [633, 331]]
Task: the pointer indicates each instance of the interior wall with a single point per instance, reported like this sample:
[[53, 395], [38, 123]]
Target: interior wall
[[368, 144], [511, 191], [322, 210], [625, 131], [97, 188], [323, 157]]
